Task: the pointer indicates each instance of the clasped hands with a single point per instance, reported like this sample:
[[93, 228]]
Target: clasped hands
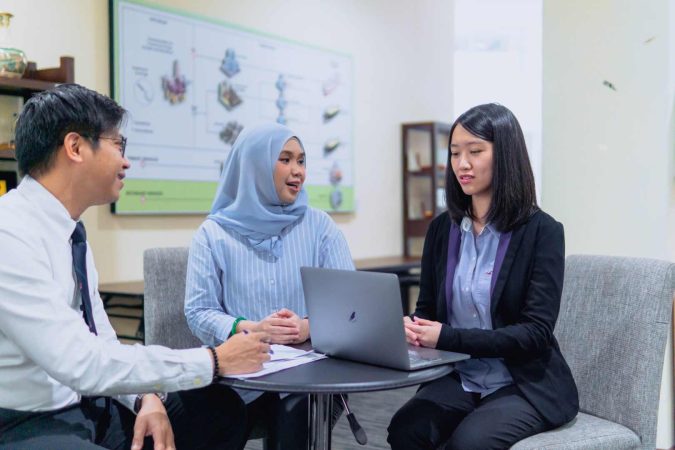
[[249, 348], [421, 332], [283, 327]]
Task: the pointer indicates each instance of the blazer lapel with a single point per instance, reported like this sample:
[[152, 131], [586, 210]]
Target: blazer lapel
[[508, 246], [445, 296], [504, 240]]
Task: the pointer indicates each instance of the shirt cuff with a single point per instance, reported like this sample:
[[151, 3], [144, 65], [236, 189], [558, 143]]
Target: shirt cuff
[[199, 370], [447, 340], [128, 401]]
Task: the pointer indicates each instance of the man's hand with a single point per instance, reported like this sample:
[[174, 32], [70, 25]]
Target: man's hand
[[426, 331], [243, 353], [281, 329], [410, 335], [301, 324], [152, 420]]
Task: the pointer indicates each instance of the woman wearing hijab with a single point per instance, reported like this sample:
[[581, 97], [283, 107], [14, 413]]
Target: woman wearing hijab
[[243, 270]]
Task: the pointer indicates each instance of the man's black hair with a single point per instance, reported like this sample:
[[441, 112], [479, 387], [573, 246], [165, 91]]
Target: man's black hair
[[48, 116]]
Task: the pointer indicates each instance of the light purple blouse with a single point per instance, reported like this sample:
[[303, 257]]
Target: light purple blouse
[[472, 284]]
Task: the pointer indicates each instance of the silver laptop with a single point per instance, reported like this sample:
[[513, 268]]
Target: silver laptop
[[358, 316]]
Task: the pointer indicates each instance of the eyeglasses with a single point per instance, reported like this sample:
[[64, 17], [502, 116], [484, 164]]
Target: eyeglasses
[[121, 142]]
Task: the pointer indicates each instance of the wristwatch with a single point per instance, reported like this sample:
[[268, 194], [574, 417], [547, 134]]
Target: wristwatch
[[139, 399]]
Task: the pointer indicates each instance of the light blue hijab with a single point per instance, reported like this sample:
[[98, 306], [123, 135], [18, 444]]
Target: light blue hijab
[[247, 200]]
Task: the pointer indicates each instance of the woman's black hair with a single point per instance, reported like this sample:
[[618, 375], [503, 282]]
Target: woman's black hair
[[513, 191]]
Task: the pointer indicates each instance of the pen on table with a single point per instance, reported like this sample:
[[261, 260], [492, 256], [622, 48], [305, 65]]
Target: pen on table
[[271, 351]]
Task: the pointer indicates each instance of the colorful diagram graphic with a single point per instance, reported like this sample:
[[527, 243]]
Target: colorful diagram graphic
[[191, 85]]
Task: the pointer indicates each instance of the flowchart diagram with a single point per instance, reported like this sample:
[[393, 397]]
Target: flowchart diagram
[[191, 85]]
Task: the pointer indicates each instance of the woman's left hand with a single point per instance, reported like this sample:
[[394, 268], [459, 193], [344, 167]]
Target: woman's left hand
[[302, 324], [427, 331]]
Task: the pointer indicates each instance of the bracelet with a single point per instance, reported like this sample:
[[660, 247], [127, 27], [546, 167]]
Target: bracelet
[[215, 361], [234, 325]]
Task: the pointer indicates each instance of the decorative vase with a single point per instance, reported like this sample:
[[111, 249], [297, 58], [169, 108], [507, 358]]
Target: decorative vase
[[12, 60]]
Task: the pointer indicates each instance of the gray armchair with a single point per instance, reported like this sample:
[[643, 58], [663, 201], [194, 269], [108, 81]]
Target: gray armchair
[[613, 324], [164, 271]]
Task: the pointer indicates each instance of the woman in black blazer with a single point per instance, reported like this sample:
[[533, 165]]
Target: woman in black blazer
[[491, 282]]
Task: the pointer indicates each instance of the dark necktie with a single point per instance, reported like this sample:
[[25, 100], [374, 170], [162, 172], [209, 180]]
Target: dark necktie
[[79, 244]]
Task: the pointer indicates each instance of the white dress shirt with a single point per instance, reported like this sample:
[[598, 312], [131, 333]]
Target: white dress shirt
[[48, 357]]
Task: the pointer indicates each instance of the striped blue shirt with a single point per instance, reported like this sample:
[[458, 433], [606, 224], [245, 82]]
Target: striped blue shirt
[[227, 278], [471, 306]]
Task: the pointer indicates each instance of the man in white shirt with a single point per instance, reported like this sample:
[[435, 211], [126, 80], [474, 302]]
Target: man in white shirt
[[65, 380]]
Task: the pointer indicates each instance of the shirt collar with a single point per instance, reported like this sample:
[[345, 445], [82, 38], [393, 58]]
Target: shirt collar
[[51, 206], [467, 224]]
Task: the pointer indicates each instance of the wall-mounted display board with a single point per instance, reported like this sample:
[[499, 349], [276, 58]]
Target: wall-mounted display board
[[192, 83]]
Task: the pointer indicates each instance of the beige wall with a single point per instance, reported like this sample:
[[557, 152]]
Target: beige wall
[[607, 156], [606, 161]]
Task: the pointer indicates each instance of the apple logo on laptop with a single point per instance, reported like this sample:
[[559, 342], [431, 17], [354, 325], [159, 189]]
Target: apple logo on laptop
[[352, 316]]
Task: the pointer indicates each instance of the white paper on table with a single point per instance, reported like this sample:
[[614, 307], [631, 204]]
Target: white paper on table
[[283, 357], [284, 352]]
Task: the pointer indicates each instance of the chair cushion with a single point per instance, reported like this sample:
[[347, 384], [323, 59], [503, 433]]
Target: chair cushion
[[584, 432]]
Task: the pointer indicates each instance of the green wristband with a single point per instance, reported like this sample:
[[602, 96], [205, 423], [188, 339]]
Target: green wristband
[[234, 325]]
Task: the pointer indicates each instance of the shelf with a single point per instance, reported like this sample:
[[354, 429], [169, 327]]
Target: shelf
[[424, 165], [35, 80], [20, 85], [7, 154], [420, 173], [426, 172], [418, 227]]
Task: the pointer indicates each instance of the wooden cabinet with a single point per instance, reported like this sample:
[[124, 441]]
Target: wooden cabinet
[[34, 81], [425, 155]]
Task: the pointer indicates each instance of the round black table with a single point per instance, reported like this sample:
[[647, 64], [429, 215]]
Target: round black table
[[329, 376]]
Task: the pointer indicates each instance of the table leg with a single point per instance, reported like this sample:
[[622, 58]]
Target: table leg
[[320, 414]]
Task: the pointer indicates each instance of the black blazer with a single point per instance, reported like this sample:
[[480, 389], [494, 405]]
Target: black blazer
[[524, 307]]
